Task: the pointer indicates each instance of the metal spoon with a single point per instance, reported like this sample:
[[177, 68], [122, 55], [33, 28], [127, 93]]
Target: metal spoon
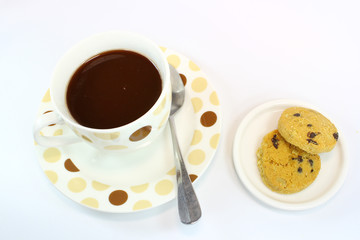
[[188, 204]]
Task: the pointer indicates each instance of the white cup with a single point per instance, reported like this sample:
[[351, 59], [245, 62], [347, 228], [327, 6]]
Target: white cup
[[131, 136]]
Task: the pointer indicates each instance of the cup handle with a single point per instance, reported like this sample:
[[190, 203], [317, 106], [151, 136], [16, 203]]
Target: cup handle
[[51, 141]]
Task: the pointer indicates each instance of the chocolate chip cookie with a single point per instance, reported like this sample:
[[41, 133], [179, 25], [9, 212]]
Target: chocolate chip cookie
[[308, 130], [284, 168]]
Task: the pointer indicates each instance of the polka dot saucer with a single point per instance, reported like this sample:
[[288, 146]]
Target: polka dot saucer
[[129, 182]]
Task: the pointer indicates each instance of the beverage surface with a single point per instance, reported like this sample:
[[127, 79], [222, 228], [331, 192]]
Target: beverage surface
[[113, 89]]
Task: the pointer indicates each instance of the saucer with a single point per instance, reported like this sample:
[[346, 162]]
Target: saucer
[[260, 121], [143, 179]]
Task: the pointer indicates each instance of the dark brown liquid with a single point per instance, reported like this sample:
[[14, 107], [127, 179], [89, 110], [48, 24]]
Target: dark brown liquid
[[112, 89]]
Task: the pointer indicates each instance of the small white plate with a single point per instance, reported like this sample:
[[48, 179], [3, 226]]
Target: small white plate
[[129, 182], [260, 121]]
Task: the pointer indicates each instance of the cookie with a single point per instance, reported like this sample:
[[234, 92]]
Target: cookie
[[308, 130], [285, 168]]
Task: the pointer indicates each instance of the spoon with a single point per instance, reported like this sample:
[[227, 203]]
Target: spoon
[[188, 204]]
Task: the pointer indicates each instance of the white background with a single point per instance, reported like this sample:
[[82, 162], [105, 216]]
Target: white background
[[251, 51]]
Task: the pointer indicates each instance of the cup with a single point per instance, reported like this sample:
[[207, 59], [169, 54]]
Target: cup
[[131, 136]]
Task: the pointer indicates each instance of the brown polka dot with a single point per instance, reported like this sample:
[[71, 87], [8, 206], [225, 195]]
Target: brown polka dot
[[140, 134], [193, 177], [70, 166], [183, 78], [208, 119], [50, 125], [118, 197], [47, 111], [86, 138]]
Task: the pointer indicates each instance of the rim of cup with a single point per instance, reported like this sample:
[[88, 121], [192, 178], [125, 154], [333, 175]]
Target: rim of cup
[[165, 78]]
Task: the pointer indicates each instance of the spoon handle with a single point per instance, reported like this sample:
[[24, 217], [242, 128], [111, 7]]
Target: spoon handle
[[188, 204]]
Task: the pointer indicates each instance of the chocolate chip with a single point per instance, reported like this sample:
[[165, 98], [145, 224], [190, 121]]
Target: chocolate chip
[[297, 115], [312, 134], [312, 141], [336, 136], [275, 141], [299, 170], [309, 125], [299, 158], [311, 162], [312, 170]]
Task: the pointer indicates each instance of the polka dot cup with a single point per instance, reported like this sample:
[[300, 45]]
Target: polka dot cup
[[124, 138]]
